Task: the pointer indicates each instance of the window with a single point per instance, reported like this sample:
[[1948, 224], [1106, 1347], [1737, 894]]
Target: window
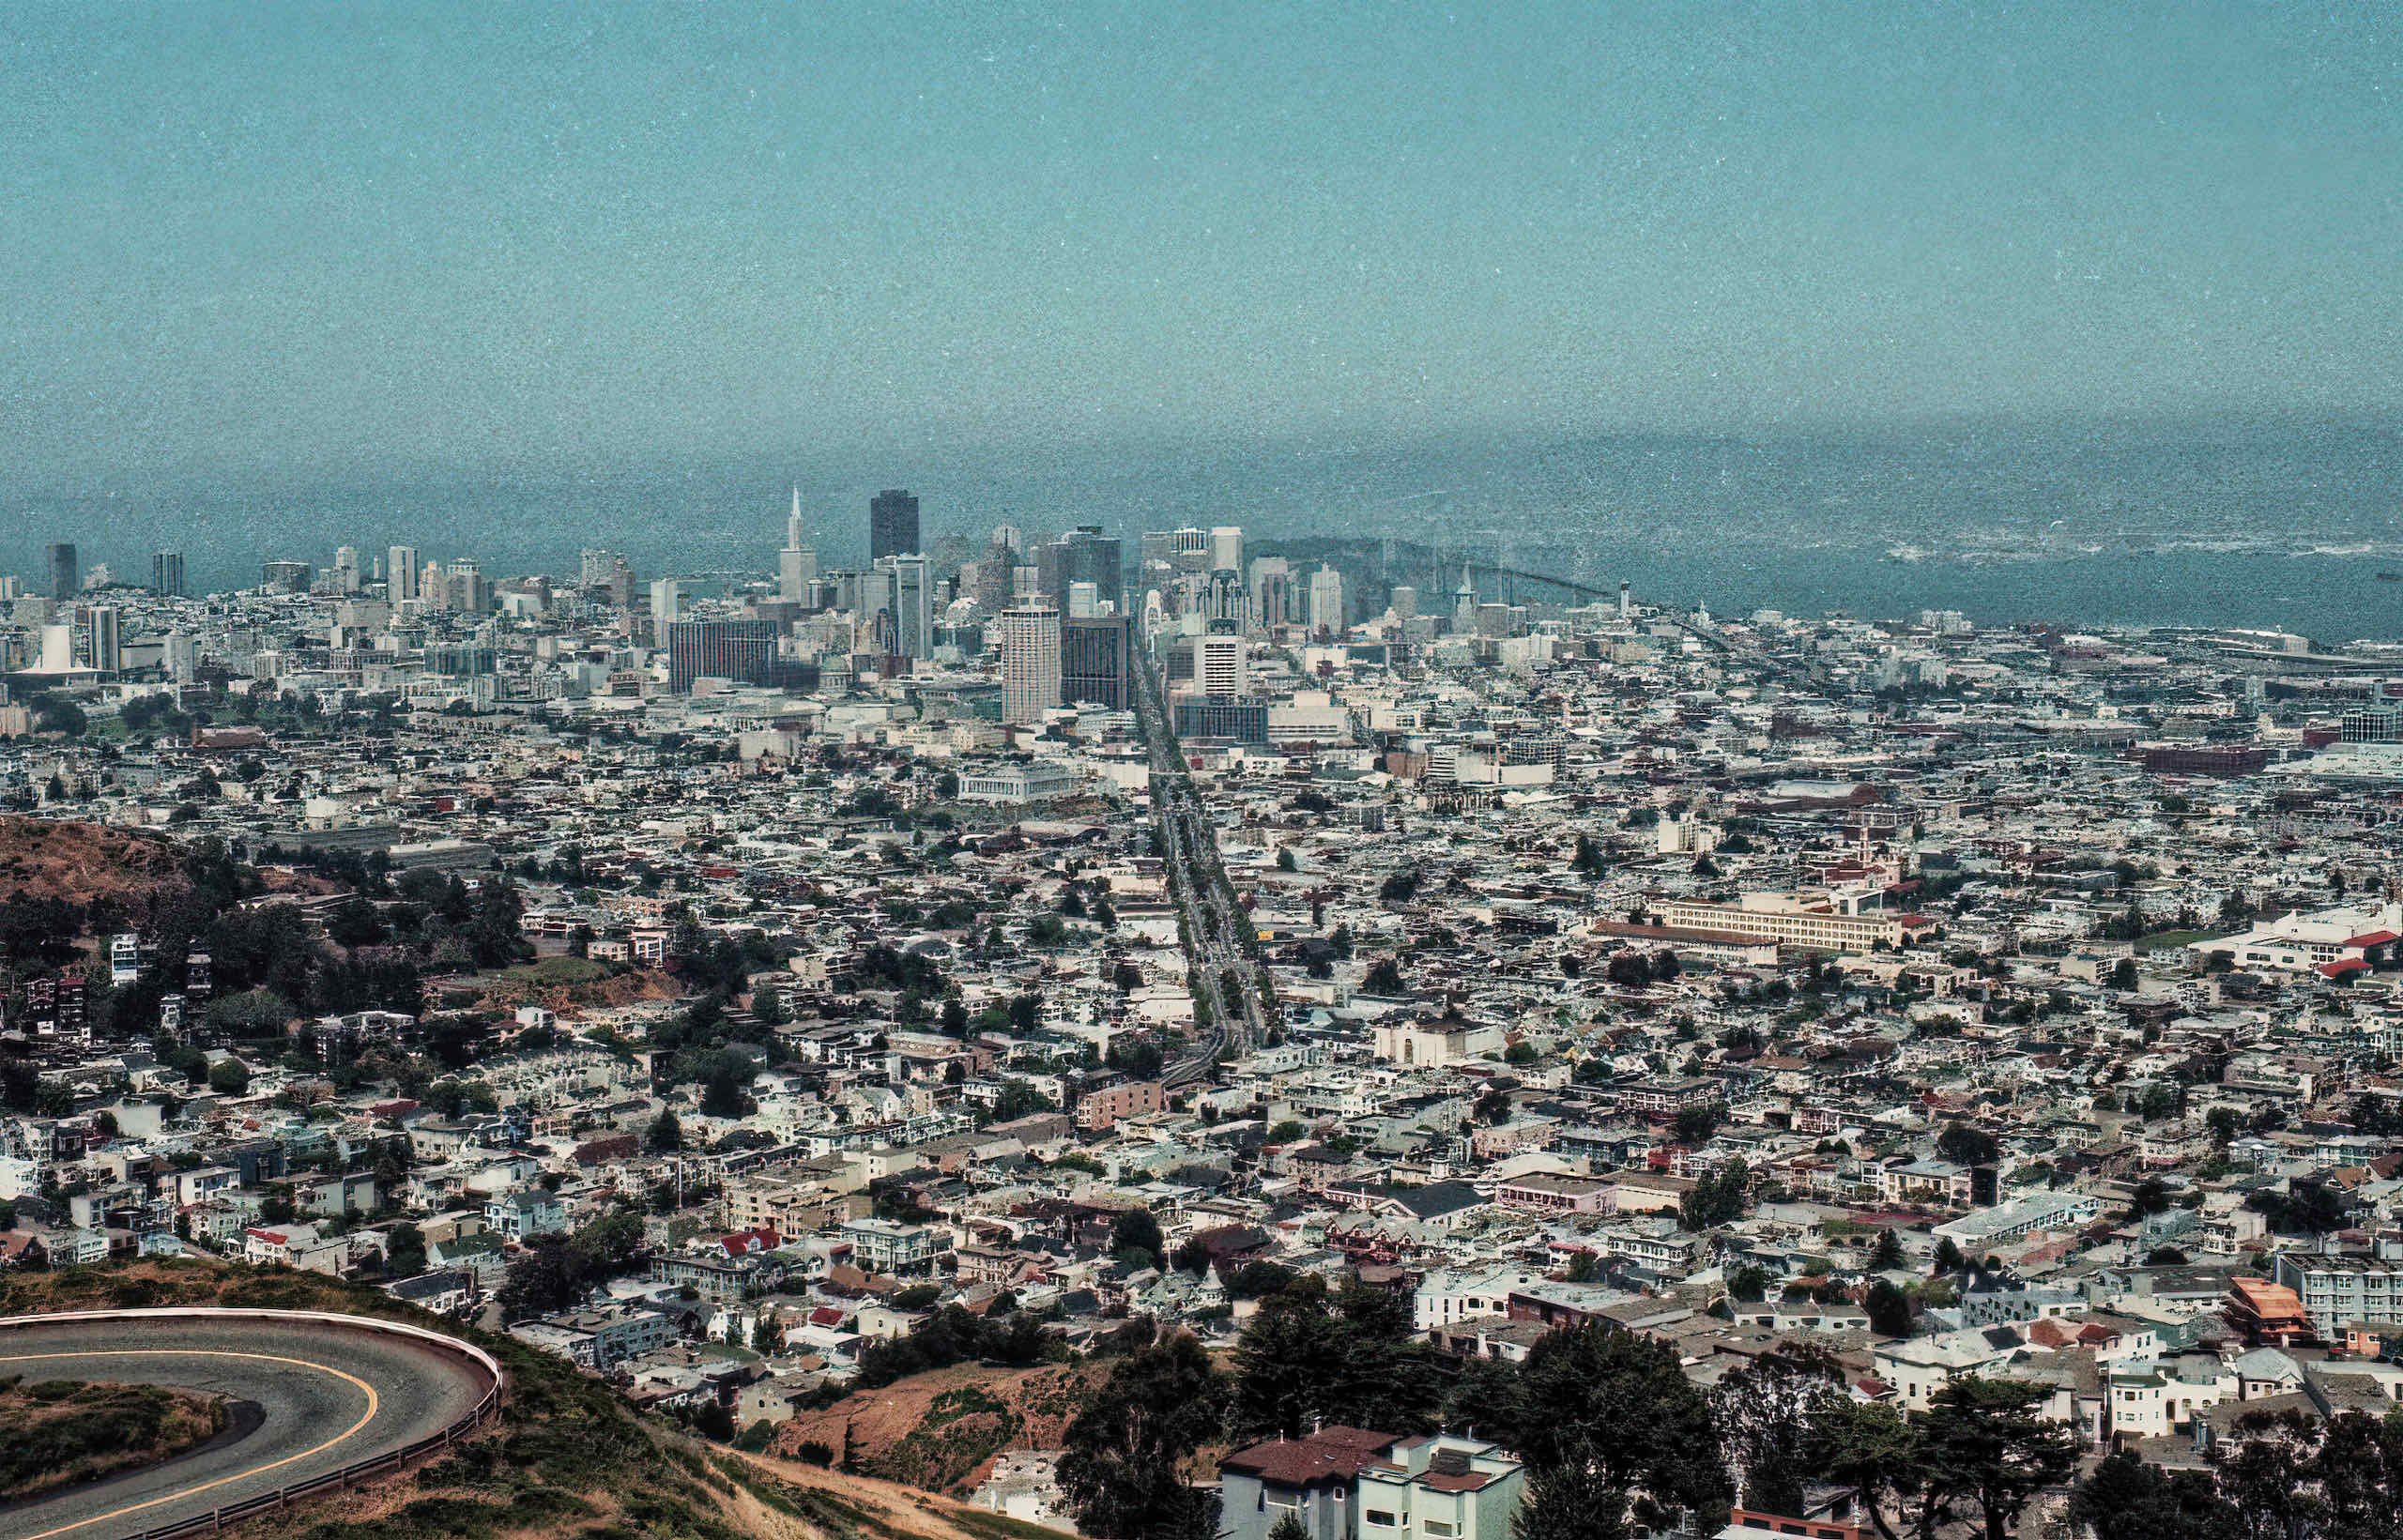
[[1438, 1528], [1379, 1519]]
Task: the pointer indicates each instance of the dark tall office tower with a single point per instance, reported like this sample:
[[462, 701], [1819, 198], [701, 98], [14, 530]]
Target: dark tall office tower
[[1098, 659], [741, 651], [167, 573], [892, 525], [1085, 557], [66, 576]]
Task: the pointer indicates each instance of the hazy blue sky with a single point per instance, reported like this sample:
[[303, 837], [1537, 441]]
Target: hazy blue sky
[[358, 238]]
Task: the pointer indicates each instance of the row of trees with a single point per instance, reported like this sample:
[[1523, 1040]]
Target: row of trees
[[1610, 1428], [2289, 1477], [1613, 1434]]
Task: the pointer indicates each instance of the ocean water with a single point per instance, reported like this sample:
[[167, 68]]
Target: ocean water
[[2218, 522]]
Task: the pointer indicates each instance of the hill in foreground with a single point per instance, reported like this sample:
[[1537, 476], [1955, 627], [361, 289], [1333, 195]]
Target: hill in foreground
[[565, 1458]]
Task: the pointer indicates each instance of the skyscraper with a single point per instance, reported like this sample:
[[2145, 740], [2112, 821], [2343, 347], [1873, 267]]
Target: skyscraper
[[1326, 600], [1097, 657], [66, 576], [346, 569], [1272, 592], [102, 636], [797, 563], [741, 651], [401, 573], [891, 524], [1083, 555], [167, 573], [913, 626], [464, 589], [1029, 663], [1219, 661]]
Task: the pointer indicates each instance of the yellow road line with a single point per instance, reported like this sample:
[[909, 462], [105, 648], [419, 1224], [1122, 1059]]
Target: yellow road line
[[366, 1417]]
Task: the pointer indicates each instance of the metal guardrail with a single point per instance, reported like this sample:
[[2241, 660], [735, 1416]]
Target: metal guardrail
[[391, 1460]]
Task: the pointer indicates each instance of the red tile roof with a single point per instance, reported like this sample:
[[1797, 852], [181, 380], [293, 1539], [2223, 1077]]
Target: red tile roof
[[1330, 1454]]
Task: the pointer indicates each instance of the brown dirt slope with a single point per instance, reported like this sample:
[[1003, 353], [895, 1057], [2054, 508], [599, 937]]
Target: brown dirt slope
[[568, 987], [942, 1429], [80, 862]]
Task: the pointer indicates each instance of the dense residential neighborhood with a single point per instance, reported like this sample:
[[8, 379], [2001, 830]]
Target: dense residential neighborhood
[[1888, 1012]]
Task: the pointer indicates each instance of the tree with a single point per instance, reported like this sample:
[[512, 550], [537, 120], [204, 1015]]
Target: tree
[[1384, 978], [1570, 1502], [2307, 1207], [1965, 1146], [1889, 1312], [722, 1089], [547, 1280], [1602, 1401], [1695, 1125], [58, 714], [1989, 1443], [1948, 1257], [1870, 1447], [1888, 1254], [1137, 1230], [1311, 1357], [1765, 1414], [2128, 1499], [2265, 1480], [1122, 1452], [1588, 860], [229, 1077], [1715, 1200], [2151, 1196], [403, 1252], [1485, 1396], [1258, 1280], [355, 922], [2123, 975], [663, 1134]]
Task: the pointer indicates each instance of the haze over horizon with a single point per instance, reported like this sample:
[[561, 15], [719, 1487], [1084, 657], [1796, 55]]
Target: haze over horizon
[[550, 241]]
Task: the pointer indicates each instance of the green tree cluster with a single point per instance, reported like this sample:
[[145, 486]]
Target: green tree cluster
[[1973, 1460]]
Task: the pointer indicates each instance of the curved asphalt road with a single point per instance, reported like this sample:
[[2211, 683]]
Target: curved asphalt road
[[331, 1397]]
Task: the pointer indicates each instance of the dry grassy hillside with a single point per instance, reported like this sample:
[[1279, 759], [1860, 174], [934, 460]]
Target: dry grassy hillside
[[940, 1430], [78, 862], [566, 1460]]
